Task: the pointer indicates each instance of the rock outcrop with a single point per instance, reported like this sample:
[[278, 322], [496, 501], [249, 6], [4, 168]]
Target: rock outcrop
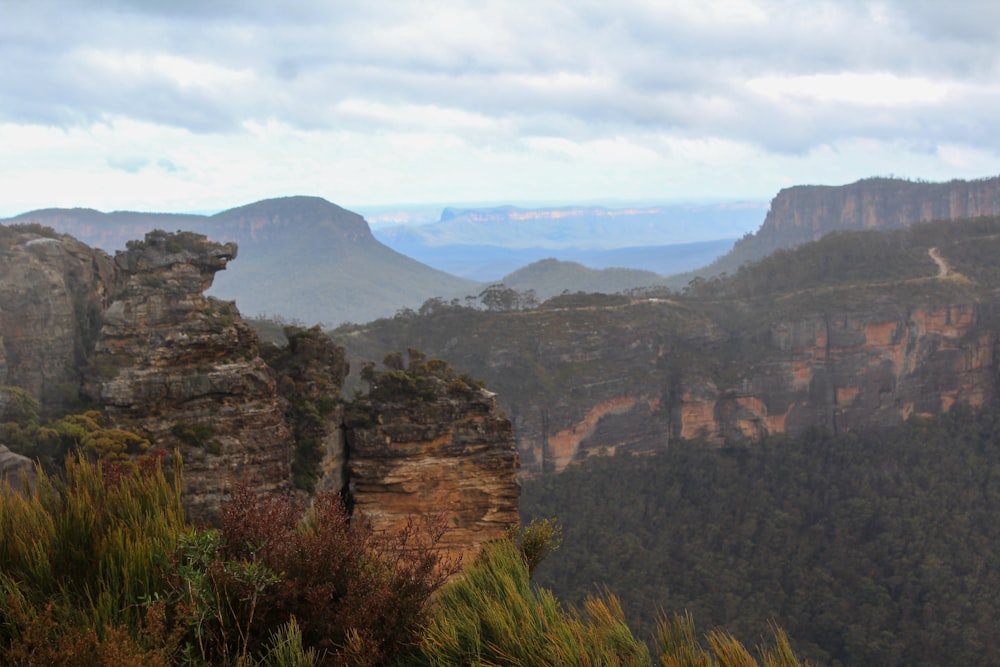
[[136, 337], [53, 290], [184, 370], [18, 472], [454, 456]]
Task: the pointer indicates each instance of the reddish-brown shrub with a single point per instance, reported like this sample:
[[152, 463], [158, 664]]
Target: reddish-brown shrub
[[354, 592]]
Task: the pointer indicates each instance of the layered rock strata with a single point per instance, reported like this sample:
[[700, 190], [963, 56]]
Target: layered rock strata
[[137, 337], [53, 290], [185, 371], [843, 373], [878, 367], [635, 378], [808, 212], [456, 457]]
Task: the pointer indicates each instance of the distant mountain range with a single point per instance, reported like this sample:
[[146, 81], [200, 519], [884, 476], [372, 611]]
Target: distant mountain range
[[301, 258], [306, 259], [488, 263], [589, 227], [486, 243], [806, 213]]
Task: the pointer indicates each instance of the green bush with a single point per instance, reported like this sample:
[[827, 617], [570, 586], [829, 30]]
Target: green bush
[[194, 434], [87, 550]]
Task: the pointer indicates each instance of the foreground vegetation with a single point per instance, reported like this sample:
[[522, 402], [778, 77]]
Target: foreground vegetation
[[99, 567], [873, 548]]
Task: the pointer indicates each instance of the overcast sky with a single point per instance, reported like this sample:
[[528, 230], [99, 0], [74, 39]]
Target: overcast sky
[[200, 105]]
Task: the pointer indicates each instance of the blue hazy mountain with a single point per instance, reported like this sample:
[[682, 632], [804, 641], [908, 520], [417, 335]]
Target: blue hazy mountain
[[487, 243]]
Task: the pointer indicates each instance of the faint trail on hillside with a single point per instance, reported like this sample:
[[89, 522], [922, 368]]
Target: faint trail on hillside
[[943, 268]]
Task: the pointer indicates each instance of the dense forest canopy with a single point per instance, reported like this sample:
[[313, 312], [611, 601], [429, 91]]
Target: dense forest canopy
[[873, 548]]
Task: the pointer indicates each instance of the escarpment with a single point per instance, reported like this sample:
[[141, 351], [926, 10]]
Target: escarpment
[[135, 337], [808, 212], [857, 329], [635, 378]]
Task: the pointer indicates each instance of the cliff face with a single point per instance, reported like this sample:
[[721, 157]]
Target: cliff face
[[635, 377], [847, 372], [52, 292], [450, 456], [184, 370], [840, 373], [136, 337], [807, 212]]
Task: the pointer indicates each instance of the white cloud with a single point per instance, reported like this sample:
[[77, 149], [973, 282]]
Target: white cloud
[[861, 89], [192, 105]]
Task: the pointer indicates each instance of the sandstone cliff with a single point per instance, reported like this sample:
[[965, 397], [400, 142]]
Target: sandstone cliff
[[635, 377], [808, 212], [53, 290], [829, 343], [136, 337], [878, 367], [454, 456], [184, 370]]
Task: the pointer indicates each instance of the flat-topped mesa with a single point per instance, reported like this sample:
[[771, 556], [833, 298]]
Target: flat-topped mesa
[[185, 371], [808, 212]]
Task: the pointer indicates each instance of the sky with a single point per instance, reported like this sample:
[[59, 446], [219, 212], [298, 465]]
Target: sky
[[202, 105]]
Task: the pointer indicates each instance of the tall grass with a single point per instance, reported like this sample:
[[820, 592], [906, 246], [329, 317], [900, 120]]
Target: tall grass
[[99, 567], [88, 549], [494, 616]]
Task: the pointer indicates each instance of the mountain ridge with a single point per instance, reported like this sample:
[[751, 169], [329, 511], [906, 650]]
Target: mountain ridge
[[337, 272], [803, 213], [859, 327]]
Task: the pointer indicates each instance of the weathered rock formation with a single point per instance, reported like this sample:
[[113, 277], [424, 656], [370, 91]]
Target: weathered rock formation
[[184, 370], [876, 367], [454, 456], [53, 290], [842, 373], [17, 471], [136, 337], [635, 377]]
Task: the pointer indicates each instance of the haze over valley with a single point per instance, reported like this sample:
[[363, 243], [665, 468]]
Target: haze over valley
[[500, 333]]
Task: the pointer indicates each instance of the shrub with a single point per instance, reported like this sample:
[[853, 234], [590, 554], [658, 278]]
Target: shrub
[[151, 280], [194, 434], [358, 596], [85, 552]]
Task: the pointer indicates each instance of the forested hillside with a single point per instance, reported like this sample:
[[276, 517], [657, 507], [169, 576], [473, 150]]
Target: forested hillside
[[872, 548], [856, 328]]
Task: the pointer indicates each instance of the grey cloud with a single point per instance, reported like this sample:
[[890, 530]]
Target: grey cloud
[[623, 66]]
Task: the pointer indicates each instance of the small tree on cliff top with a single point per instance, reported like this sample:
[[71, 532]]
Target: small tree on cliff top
[[421, 379]]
